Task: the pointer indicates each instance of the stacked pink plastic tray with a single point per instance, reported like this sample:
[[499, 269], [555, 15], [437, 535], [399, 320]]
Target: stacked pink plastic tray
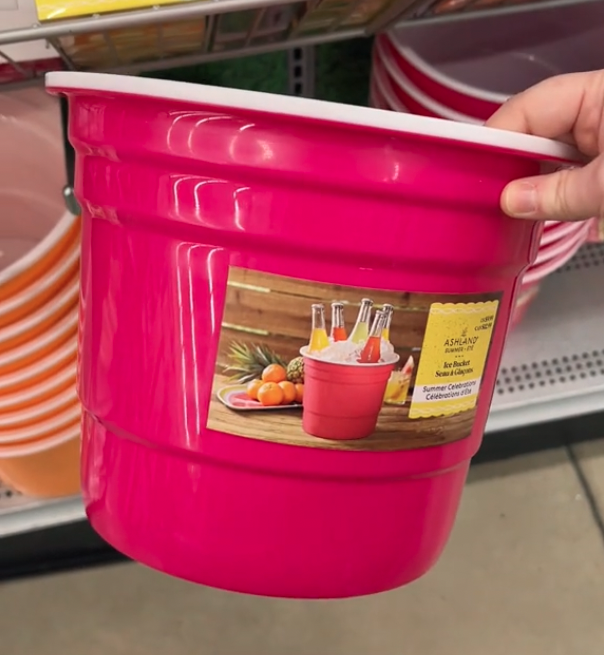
[[466, 70]]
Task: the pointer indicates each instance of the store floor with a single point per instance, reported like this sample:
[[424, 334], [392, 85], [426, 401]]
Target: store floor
[[523, 574]]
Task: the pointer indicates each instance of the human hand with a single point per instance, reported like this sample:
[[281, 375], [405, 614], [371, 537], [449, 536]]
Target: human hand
[[569, 108]]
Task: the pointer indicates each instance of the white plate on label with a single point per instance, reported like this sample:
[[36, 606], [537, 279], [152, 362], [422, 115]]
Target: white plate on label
[[234, 396]]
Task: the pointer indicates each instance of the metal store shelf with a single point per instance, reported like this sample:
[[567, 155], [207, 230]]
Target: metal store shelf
[[553, 368], [227, 29], [20, 514]]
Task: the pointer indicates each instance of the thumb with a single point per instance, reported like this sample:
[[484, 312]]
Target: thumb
[[567, 195]]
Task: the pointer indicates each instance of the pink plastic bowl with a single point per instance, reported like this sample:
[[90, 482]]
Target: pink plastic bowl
[[554, 250], [473, 66], [554, 231], [395, 89], [179, 182], [407, 93], [389, 98], [542, 269]]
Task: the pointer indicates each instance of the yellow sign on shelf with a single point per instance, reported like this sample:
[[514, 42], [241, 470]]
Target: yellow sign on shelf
[[59, 9]]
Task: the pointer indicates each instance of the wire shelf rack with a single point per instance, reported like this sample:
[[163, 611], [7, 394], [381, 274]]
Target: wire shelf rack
[[446, 10], [161, 37], [156, 38]]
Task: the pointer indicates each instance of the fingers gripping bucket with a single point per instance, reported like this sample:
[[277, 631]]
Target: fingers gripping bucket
[[213, 220]]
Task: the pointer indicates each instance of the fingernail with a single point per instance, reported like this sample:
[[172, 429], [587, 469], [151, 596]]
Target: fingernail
[[520, 199]]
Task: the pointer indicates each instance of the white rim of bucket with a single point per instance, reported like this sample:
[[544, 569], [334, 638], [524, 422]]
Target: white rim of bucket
[[318, 110], [59, 422], [449, 82], [22, 450], [419, 96], [50, 277], [47, 243]]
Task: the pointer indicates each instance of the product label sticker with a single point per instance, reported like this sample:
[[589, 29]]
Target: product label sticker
[[342, 368], [454, 354]]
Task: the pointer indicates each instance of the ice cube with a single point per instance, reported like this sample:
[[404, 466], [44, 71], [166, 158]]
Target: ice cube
[[386, 351], [341, 352]]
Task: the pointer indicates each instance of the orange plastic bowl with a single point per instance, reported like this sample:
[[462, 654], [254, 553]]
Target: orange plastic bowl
[[40, 370], [44, 345], [43, 429], [45, 410], [42, 318], [51, 282], [41, 257], [38, 393], [49, 468]]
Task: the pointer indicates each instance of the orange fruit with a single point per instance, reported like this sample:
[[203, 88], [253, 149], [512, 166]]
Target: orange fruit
[[270, 394], [274, 373], [252, 388], [289, 392], [299, 392]]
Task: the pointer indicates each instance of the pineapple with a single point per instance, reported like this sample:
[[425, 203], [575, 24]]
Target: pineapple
[[295, 370], [248, 361]]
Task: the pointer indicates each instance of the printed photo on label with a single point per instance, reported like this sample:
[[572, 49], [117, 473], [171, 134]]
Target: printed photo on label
[[337, 367]]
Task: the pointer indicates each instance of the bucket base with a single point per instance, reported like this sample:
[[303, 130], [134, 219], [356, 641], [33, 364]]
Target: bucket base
[[268, 589], [255, 531]]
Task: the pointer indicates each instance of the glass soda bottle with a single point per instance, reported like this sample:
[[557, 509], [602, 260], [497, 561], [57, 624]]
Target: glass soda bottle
[[371, 352], [389, 311], [360, 331], [338, 329], [318, 335]]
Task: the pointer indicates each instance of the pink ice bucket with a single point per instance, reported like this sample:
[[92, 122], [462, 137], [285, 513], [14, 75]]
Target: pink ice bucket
[[197, 199]]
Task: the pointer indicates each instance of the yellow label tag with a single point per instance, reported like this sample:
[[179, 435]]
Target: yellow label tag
[[59, 9], [454, 352]]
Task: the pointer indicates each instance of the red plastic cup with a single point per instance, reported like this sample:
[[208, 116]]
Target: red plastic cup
[[342, 401]]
